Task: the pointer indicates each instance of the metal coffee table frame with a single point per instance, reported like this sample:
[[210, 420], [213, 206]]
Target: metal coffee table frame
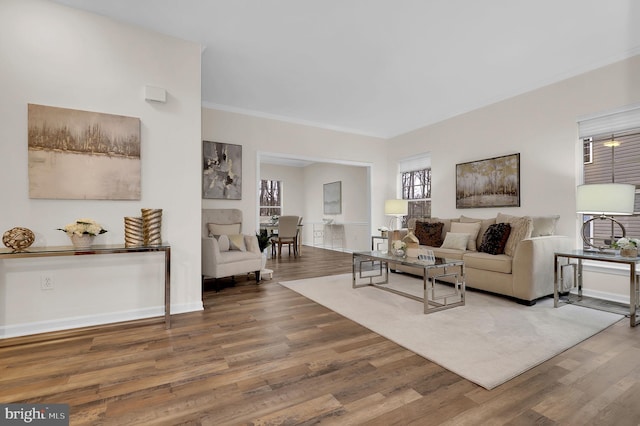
[[373, 268]]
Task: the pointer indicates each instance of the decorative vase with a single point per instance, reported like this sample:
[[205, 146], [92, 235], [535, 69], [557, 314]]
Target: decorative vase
[[82, 241], [629, 252], [399, 252], [151, 226], [133, 232], [18, 238]]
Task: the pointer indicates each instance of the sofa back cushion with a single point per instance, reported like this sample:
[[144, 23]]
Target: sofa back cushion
[[429, 234]]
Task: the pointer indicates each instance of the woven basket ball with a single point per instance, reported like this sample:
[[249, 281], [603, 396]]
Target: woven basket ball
[[18, 238]]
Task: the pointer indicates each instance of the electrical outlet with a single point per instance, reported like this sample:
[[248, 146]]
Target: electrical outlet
[[46, 282]]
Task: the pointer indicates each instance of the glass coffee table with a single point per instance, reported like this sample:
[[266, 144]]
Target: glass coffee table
[[371, 269]]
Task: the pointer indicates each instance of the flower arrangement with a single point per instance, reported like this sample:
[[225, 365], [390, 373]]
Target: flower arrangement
[[83, 227], [399, 245], [383, 229], [626, 243]]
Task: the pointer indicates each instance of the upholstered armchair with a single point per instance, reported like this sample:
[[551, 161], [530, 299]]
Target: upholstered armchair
[[225, 250]]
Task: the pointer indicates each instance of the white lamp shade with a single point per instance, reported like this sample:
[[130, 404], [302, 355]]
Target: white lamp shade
[[396, 207], [605, 199]]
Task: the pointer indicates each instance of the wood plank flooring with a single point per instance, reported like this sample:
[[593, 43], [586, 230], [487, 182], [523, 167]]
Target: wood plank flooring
[[264, 355]]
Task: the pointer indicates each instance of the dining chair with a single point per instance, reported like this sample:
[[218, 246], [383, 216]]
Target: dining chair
[[287, 235]]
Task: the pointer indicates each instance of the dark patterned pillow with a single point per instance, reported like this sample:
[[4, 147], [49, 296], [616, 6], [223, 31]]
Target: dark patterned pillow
[[429, 234], [495, 238]]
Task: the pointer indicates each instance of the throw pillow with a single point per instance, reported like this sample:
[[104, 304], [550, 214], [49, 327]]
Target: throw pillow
[[544, 225], [223, 243], [495, 238], [216, 229], [521, 228], [472, 229], [236, 242], [429, 234], [484, 225], [455, 240]]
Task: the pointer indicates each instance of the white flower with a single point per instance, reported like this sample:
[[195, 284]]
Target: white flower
[[623, 243], [383, 229], [399, 245], [83, 226]]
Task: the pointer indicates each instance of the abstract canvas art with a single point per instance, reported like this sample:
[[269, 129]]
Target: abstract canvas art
[[221, 171], [494, 182], [83, 155], [332, 197]]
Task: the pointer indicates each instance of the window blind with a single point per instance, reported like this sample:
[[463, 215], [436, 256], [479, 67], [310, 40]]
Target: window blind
[[606, 123]]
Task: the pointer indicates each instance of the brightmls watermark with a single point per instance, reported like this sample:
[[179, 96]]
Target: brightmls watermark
[[34, 414]]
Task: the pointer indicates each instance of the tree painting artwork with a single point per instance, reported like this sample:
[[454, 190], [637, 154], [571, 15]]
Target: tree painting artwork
[[82, 155], [221, 171], [494, 182]]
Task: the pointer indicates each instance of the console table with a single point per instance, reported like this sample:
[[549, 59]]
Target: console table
[[103, 249], [581, 255]]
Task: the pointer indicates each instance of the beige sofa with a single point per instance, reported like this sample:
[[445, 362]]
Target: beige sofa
[[525, 273], [225, 250]]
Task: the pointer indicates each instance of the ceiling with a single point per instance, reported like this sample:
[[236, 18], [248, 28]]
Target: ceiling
[[383, 67]]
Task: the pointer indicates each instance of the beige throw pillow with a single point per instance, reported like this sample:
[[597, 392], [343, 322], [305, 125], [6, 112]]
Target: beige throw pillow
[[471, 228], [216, 229], [484, 225], [521, 228], [456, 241], [236, 242], [223, 243]]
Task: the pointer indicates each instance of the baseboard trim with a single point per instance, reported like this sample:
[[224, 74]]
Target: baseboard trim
[[38, 327]]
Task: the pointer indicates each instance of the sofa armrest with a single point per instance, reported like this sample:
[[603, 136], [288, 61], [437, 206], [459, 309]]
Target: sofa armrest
[[210, 256], [532, 266]]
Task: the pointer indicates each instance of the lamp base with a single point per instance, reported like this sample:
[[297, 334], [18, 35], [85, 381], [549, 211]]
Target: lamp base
[[586, 227]]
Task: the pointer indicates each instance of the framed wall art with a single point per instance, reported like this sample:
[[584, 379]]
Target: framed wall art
[[82, 155], [494, 182], [221, 171], [332, 197]]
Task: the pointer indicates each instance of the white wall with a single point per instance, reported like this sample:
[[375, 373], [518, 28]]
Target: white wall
[[264, 136], [541, 126], [58, 56]]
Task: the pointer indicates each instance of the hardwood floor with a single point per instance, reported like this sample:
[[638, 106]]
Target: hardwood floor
[[264, 355]]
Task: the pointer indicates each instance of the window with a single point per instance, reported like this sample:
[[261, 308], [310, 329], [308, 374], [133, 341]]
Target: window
[[416, 187], [615, 158], [587, 151], [270, 197]]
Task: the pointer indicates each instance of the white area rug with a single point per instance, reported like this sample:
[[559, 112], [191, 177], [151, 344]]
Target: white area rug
[[488, 341]]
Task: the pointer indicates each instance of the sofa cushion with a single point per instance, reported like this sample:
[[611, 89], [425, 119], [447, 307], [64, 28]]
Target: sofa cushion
[[236, 242], [455, 240], [429, 234], [471, 228], [495, 238], [488, 262], [223, 243], [216, 229], [484, 224], [447, 253], [544, 225], [521, 228]]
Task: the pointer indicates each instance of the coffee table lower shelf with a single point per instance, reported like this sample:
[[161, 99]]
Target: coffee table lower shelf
[[371, 269]]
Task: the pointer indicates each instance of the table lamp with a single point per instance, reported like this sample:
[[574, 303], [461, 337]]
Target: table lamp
[[395, 208], [604, 200]]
